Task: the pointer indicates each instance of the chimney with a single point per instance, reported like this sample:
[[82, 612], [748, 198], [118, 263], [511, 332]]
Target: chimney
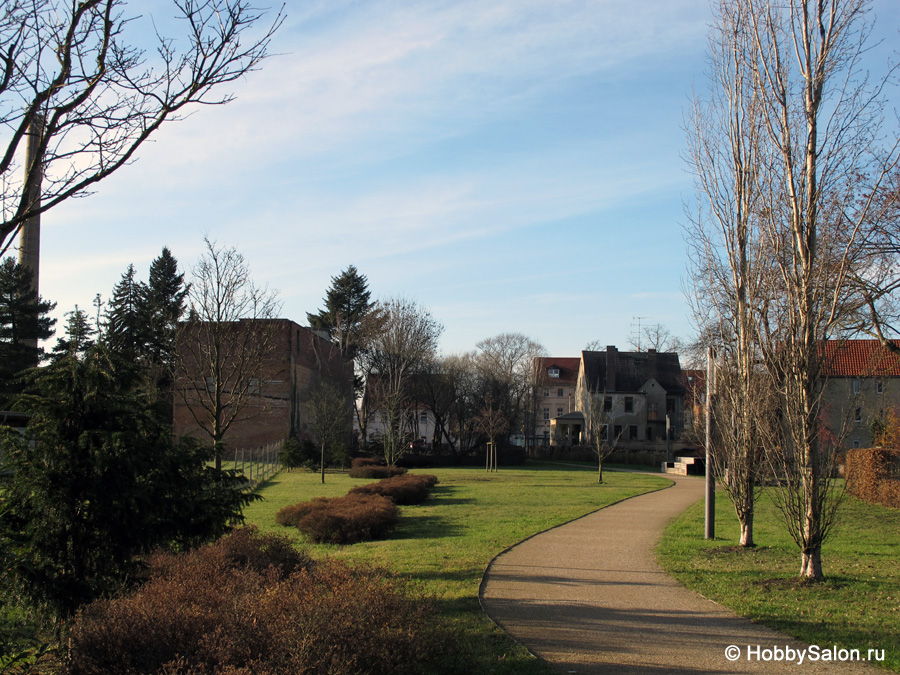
[[611, 354], [30, 234]]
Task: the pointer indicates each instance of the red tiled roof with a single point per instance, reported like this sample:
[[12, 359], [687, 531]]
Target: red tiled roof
[[860, 358]]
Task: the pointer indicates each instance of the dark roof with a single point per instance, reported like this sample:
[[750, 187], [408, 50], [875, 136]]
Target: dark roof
[[633, 369], [860, 358], [568, 368]]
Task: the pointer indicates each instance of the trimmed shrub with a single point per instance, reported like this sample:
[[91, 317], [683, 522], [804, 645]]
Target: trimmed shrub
[[342, 520], [402, 490], [202, 614], [366, 461], [872, 475], [376, 471]]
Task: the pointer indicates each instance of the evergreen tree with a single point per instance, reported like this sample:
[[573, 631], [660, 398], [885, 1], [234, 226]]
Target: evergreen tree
[[97, 480], [126, 329], [24, 321], [80, 336], [347, 306], [163, 307]]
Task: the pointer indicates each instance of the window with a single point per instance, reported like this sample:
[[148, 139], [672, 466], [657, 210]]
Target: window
[[546, 393], [649, 433], [855, 443], [553, 372], [423, 418], [629, 404], [546, 413], [607, 404], [559, 411], [617, 430], [653, 411], [855, 386], [559, 392], [632, 432], [879, 387], [857, 415]]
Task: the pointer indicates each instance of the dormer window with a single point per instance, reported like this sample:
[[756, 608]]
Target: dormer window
[[553, 372]]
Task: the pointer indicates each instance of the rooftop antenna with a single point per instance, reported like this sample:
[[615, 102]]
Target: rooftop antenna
[[639, 332]]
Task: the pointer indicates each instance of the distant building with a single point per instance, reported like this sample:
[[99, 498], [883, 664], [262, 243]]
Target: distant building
[[297, 363], [556, 379], [637, 393], [863, 382], [641, 393]]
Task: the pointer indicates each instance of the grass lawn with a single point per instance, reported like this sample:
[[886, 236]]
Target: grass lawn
[[857, 607], [444, 545]]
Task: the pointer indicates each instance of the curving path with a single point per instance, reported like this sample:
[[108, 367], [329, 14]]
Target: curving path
[[588, 597]]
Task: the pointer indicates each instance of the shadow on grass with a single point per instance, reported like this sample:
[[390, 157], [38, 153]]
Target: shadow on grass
[[413, 526], [441, 496]]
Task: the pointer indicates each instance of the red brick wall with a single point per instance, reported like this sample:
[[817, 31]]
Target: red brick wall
[[297, 361]]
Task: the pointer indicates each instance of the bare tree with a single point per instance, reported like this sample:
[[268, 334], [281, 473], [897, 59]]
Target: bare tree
[[799, 138], [328, 412], [70, 78], [406, 342], [224, 344], [505, 363], [727, 255], [493, 423], [601, 429], [653, 336]]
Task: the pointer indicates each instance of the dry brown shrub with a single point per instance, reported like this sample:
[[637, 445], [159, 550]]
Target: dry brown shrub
[[376, 471], [402, 490], [342, 520], [204, 613]]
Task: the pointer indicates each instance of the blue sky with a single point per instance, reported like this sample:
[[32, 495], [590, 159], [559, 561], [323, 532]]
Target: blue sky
[[513, 166]]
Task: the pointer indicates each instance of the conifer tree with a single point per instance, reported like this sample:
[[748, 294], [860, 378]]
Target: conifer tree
[[80, 336], [24, 321], [126, 330], [347, 306], [163, 307]]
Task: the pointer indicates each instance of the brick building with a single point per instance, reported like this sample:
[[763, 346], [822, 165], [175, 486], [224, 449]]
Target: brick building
[[295, 361]]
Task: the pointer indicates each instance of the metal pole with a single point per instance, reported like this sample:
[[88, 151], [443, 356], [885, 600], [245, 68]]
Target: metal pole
[[710, 478]]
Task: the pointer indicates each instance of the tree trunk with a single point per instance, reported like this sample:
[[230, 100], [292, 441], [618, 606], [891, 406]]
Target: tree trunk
[[746, 520], [322, 463], [811, 564]]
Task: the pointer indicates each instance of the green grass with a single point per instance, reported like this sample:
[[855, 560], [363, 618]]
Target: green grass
[[857, 607], [444, 545]]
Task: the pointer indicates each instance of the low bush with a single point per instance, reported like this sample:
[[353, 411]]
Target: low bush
[[376, 471], [366, 461], [402, 490], [342, 520], [208, 613], [873, 474]]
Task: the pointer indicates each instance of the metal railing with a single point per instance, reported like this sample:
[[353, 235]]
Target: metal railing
[[258, 464]]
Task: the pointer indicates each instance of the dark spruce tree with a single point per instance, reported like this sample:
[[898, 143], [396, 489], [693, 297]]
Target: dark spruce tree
[[125, 323], [24, 321], [163, 307], [347, 306], [80, 336], [98, 480]]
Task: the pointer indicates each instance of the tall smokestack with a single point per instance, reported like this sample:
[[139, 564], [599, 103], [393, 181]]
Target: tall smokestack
[[30, 235]]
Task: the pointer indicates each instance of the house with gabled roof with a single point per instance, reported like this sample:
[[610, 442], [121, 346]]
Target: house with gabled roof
[[641, 394], [555, 387], [863, 382]]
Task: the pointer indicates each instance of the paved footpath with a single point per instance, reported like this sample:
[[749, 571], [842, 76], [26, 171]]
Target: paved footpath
[[588, 597]]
